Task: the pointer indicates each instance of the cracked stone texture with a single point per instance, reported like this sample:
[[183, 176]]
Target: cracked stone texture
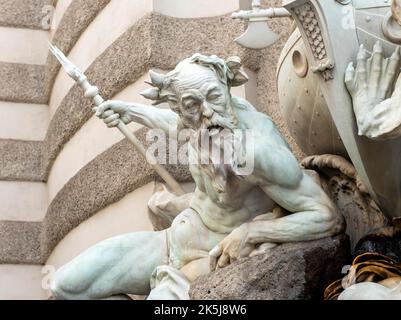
[[22, 83], [293, 271], [75, 21], [20, 160], [20, 242], [24, 13]]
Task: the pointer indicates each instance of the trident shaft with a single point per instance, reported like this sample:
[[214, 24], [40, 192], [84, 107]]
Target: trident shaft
[[93, 92]]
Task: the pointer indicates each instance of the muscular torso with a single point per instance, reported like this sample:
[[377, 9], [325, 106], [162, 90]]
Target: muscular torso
[[223, 211], [240, 199], [277, 179]]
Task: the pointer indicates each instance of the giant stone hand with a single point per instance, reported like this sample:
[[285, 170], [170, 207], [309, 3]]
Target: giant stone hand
[[376, 97]]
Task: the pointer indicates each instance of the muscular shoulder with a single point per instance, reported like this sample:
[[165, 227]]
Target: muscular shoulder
[[274, 162]]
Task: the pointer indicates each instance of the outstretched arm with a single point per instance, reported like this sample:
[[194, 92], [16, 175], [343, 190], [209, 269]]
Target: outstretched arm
[[313, 217], [376, 93], [113, 111]]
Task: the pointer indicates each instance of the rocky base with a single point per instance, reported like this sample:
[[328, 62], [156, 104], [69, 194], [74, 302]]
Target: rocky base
[[294, 271]]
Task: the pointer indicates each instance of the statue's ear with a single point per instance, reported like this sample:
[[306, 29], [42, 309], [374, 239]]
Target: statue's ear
[[236, 73]]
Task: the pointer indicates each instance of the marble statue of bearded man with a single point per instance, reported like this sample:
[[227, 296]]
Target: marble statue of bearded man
[[230, 215]]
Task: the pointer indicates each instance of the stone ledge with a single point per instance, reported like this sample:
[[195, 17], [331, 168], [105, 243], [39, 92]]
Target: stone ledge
[[21, 160], [23, 13], [22, 83], [20, 242], [293, 271]]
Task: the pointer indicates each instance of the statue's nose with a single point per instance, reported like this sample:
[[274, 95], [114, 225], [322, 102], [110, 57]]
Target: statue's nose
[[207, 110]]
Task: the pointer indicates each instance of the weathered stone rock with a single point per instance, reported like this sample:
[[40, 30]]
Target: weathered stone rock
[[293, 271]]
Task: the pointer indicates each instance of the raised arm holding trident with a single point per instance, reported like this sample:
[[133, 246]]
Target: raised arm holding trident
[[93, 92]]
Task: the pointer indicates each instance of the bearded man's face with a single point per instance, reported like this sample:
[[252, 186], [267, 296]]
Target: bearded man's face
[[203, 102]]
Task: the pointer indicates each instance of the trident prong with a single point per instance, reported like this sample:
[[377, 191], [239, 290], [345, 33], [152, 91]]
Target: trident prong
[[71, 69]]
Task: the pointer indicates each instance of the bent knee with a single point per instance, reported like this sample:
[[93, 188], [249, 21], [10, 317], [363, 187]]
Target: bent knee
[[65, 287]]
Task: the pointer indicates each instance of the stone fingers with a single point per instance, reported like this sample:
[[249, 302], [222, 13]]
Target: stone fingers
[[109, 112], [350, 78], [113, 120], [214, 255], [393, 69], [375, 64], [103, 108], [361, 67], [223, 261]]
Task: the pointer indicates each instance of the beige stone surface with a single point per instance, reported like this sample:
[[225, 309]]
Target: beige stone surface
[[22, 201], [24, 121], [23, 45], [21, 282]]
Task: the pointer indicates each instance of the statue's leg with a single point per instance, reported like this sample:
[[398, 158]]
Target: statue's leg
[[169, 283], [122, 264], [189, 242]]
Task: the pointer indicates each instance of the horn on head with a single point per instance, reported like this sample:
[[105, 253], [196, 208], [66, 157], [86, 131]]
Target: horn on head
[[151, 94], [157, 79]]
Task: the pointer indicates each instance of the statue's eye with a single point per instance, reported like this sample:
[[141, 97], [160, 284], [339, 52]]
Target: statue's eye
[[192, 106], [214, 95]]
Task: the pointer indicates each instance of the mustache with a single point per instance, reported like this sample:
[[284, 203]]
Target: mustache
[[220, 121]]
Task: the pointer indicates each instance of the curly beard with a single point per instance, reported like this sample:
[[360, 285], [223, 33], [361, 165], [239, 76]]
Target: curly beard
[[215, 145]]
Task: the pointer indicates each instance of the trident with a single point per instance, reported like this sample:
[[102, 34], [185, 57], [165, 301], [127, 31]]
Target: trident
[[259, 35], [93, 92]]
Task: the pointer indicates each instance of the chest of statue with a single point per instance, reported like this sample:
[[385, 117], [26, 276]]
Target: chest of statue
[[218, 181]]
